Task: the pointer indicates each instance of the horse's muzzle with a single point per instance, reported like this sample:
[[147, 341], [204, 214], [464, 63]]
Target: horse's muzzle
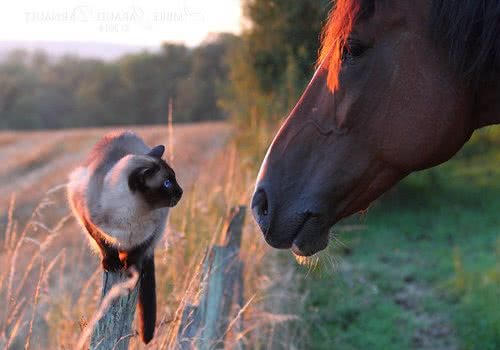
[[260, 209], [283, 228]]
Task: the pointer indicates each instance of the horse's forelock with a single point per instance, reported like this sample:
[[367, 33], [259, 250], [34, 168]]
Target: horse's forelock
[[469, 30], [334, 37]]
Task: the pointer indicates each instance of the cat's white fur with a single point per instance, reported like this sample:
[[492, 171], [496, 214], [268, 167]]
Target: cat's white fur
[[124, 218]]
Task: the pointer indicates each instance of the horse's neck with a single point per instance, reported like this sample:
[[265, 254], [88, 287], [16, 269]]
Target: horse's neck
[[487, 110]]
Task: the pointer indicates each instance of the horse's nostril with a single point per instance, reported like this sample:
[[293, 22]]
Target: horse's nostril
[[260, 204]]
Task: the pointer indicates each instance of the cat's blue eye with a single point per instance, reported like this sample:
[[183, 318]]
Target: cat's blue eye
[[167, 183]]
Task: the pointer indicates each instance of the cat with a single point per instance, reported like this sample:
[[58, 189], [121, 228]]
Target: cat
[[121, 197]]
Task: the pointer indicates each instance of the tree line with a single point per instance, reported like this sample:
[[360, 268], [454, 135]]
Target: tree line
[[39, 91], [275, 59], [258, 74]]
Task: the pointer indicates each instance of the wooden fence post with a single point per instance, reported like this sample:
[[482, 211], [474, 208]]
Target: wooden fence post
[[114, 329], [205, 325]]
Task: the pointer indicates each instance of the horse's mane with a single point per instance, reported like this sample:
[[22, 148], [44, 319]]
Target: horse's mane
[[468, 29]]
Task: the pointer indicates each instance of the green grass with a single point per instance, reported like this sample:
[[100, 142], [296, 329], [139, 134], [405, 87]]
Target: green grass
[[423, 271]]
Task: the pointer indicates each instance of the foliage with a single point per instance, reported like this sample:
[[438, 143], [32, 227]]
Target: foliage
[[38, 91], [276, 57]]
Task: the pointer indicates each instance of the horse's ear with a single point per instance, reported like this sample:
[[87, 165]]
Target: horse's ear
[[157, 152]]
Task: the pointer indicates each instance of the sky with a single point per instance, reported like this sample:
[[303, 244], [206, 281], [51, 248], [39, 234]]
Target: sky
[[138, 23]]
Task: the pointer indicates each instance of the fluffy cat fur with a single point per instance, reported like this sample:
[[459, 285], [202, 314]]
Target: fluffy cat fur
[[121, 197]]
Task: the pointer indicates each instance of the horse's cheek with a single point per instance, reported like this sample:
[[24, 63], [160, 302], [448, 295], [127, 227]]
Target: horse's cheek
[[423, 117]]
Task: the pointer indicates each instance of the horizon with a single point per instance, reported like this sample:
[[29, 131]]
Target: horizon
[[83, 49]]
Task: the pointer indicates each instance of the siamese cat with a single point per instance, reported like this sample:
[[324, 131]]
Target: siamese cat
[[121, 196]]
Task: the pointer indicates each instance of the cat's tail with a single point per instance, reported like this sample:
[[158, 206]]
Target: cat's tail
[[147, 300]]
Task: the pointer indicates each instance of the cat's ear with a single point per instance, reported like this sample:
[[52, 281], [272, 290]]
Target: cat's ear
[[157, 152]]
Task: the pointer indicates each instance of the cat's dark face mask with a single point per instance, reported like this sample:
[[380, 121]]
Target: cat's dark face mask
[[155, 180]]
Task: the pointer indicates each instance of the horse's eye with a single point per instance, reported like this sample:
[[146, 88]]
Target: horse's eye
[[353, 49]]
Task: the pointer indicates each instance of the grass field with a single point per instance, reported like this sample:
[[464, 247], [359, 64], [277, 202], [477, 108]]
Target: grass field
[[421, 268], [49, 279], [34, 162]]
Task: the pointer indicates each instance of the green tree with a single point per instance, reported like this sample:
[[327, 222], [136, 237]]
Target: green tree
[[197, 95], [277, 56], [38, 91]]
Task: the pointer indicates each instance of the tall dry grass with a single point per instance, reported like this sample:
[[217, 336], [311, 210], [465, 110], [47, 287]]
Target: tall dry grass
[[50, 281]]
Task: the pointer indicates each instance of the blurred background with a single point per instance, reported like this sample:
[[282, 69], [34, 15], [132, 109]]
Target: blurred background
[[419, 270]]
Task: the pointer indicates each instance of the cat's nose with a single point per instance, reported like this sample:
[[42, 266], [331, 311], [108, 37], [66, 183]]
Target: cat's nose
[[177, 196]]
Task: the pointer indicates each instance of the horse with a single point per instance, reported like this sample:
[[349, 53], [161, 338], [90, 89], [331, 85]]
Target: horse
[[400, 86]]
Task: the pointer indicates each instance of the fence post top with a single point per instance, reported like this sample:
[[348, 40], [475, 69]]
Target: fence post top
[[234, 227]]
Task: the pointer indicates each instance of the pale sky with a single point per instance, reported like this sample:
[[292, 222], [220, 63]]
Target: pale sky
[[144, 23]]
